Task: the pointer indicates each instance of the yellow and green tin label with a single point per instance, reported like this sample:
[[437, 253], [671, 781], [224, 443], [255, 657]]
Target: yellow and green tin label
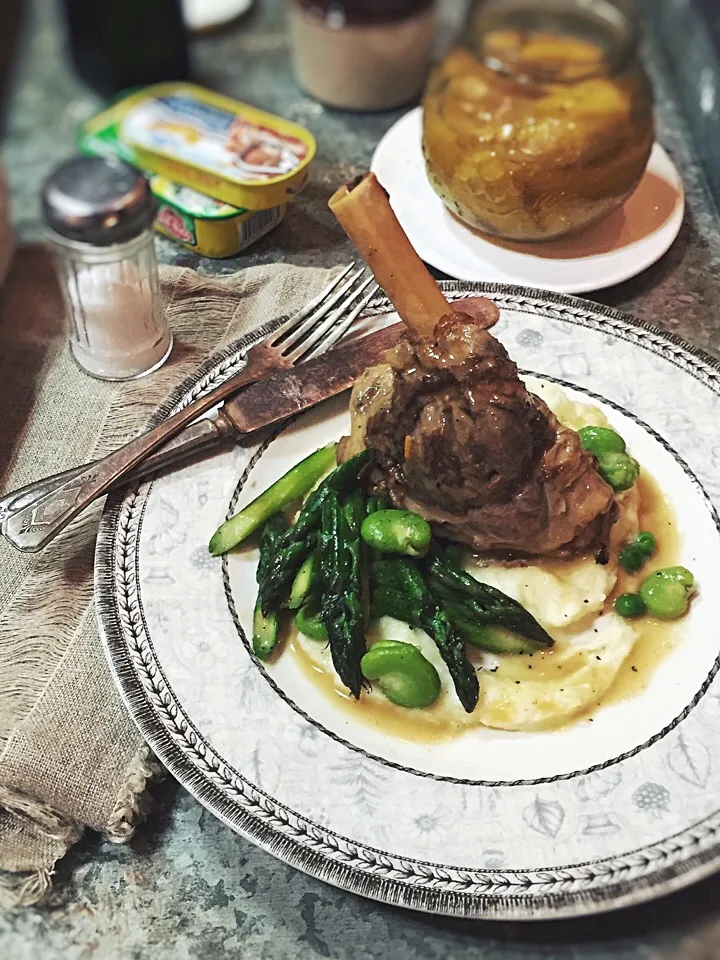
[[206, 226], [216, 145]]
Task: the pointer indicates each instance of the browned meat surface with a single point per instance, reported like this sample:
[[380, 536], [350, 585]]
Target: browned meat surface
[[460, 439]]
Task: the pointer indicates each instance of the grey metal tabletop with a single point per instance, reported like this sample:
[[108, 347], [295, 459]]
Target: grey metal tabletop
[[186, 886]]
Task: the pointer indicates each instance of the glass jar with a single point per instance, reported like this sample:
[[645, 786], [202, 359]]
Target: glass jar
[[362, 54], [542, 123], [99, 216]]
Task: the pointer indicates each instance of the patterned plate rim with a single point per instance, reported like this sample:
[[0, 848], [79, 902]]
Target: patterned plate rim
[[578, 890]]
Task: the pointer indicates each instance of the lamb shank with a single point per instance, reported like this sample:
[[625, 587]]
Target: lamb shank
[[457, 436]]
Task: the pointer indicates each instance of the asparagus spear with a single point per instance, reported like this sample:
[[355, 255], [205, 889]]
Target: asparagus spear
[[295, 483], [387, 602], [288, 557], [299, 540], [391, 597], [451, 646], [400, 573], [399, 590], [265, 628], [340, 568], [271, 534], [483, 604], [265, 633], [483, 635], [304, 581], [472, 623]]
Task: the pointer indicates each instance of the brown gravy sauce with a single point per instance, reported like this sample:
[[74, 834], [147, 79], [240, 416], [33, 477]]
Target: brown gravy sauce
[[422, 726], [655, 638]]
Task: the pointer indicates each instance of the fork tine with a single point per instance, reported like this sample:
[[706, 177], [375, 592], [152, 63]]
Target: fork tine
[[293, 338], [319, 330], [330, 330], [342, 328], [312, 305]]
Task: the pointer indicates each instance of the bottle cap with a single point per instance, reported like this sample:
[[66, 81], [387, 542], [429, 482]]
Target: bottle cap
[[97, 200]]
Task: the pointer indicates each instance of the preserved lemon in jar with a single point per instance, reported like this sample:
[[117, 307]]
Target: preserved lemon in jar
[[542, 124]]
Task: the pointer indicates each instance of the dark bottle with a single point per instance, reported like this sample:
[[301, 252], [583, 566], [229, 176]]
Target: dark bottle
[[117, 44]]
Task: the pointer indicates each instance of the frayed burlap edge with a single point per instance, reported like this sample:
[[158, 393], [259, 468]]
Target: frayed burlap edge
[[133, 804], [33, 887], [206, 313]]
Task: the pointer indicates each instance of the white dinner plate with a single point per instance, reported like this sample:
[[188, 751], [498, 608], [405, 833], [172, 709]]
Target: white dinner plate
[[623, 245], [490, 824]]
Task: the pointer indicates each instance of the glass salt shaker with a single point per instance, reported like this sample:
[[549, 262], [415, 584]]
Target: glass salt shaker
[[99, 214]]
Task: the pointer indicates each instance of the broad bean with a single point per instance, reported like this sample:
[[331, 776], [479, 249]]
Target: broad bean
[[666, 592], [308, 622], [599, 440], [397, 531], [620, 470], [631, 558], [646, 542], [404, 675]]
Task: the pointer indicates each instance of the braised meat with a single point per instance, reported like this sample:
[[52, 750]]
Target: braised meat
[[460, 440]]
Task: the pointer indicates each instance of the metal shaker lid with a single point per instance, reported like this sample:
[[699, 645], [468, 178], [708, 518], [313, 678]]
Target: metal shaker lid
[[97, 200]]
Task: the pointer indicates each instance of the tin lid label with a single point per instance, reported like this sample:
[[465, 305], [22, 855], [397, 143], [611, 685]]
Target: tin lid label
[[215, 139]]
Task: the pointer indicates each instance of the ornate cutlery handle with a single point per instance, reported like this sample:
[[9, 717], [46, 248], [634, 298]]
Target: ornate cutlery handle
[[33, 523], [198, 437]]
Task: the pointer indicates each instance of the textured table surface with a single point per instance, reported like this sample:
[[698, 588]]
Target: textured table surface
[[186, 886]]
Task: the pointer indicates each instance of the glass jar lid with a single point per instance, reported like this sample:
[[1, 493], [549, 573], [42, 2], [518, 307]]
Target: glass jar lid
[[97, 200]]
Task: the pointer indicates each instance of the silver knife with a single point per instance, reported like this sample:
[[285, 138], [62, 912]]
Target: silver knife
[[28, 515]]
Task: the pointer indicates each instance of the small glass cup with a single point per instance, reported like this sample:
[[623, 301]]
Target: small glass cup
[[362, 54]]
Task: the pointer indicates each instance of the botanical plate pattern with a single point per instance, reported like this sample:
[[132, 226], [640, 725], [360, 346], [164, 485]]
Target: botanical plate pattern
[[498, 825]]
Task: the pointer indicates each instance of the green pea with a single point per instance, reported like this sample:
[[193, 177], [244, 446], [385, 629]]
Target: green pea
[[308, 622], [404, 675], [397, 531], [618, 469], [631, 558], [599, 440], [646, 542], [666, 592], [630, 605]]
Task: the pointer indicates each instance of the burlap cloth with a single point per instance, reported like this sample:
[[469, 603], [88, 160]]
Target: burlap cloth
[[70, 756]]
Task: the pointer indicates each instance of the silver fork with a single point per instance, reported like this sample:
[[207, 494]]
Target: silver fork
[[32, 516]]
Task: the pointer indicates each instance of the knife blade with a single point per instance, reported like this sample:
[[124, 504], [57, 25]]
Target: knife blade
[[260, 405], [291, 391]]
